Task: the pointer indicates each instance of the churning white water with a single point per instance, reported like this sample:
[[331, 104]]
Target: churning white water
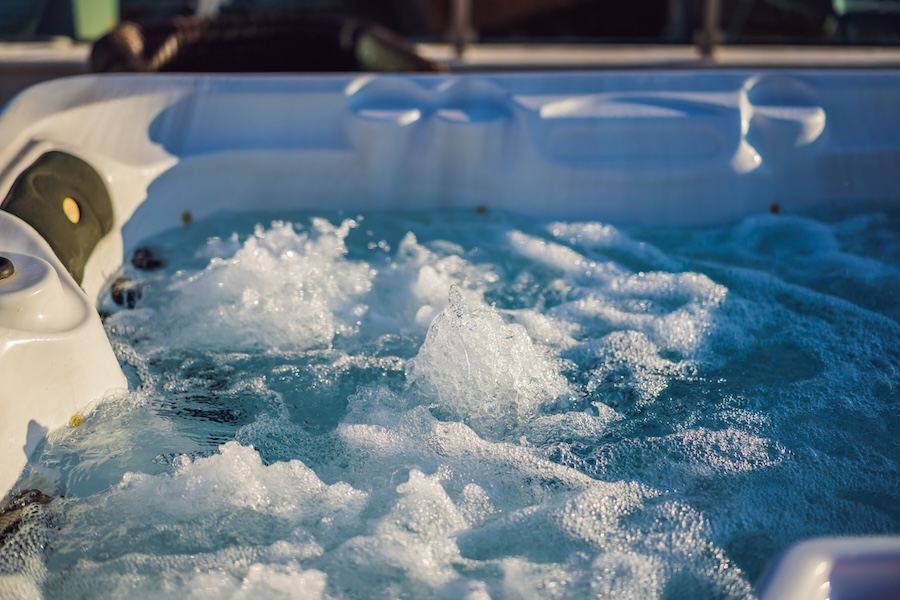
[[468, 405]]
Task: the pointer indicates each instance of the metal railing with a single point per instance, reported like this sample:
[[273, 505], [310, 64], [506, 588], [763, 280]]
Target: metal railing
[[462, 31]]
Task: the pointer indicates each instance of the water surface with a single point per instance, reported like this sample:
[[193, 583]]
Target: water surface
[[469, 405]]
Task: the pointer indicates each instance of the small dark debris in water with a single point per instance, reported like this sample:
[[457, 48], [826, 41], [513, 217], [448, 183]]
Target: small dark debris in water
[[187, 218], [481, 209], [125, 292], [12, 512], [775, 209], [146, 259]]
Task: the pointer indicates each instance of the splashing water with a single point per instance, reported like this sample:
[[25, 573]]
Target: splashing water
[[461, 405], [482, 371]]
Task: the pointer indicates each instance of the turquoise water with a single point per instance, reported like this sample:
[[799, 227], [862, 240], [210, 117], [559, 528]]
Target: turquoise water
[[468, 405]]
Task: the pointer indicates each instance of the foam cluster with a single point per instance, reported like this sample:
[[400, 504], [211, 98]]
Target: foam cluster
[[483, 371], [282, 288]]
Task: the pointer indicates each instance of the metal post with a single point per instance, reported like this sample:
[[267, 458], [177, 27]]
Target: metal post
[[461, 31], [710, 36]]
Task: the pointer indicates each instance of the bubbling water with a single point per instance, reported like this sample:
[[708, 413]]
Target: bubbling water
[[482, 371], [470, 405]]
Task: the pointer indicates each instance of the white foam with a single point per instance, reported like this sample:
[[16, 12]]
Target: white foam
[[232, 482], [675, 311], [416, 536], [559, 257], [282, 288], [412, 289], [481, 370], [629, 359], [602, 236], [232, 573], [553, 333]]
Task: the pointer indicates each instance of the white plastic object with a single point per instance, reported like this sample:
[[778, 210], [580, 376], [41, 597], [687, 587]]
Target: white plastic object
[[850, 568], [55, 359], [34, 299]]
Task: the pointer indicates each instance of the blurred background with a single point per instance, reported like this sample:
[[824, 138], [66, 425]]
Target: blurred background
[[573, 21], [40, 39]]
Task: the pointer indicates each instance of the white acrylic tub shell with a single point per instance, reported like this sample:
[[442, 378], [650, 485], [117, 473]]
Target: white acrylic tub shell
[[675, 148], [856, 568]]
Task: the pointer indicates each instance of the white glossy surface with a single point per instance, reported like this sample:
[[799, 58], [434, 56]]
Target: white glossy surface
[[812, 570], [54, 356], [33, 299]]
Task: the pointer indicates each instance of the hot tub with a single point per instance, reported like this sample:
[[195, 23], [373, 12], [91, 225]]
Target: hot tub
[[122, 159]]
